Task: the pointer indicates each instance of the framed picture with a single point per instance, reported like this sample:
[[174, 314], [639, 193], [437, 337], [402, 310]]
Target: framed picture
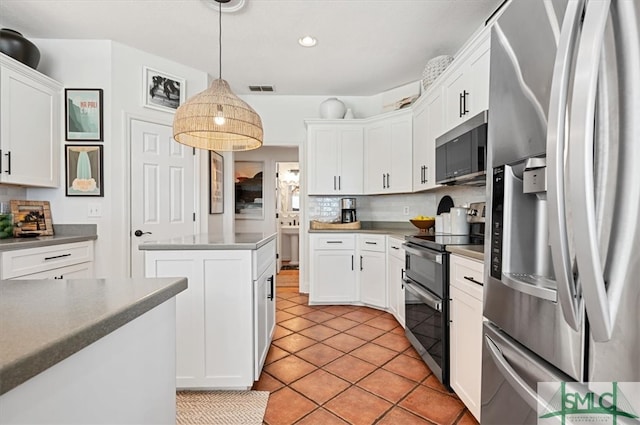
[[162, 91], [83, 167], [83, 115], [249, 189], [31, 218], [216, 183]]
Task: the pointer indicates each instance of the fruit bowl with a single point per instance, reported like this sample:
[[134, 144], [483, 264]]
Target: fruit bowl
[[424, 224]]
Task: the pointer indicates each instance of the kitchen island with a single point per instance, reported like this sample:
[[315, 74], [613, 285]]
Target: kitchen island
[[88, 350], [225, 320]]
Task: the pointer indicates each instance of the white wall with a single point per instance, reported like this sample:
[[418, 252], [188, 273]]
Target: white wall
[[117, 69]]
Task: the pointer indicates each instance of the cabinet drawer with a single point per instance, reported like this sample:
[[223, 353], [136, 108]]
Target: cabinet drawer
[[265, 255], [372, 243], [77, 271], [462, 271], [395, 248], [342, 241], [35, 260]]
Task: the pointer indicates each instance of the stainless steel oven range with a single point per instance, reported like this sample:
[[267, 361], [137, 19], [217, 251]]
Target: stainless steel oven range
[[427, 297]]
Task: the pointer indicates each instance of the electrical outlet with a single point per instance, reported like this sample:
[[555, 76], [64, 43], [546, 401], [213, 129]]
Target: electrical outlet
[[405, 210], [94, 210]]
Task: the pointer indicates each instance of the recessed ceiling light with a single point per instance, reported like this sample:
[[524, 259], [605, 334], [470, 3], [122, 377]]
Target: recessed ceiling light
[[307, 41]]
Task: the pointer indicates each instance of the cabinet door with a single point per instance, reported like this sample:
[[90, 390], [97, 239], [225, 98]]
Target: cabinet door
[[333, 276], [435, 127], [395, 282], [351, 161], [455, 88], [373, 282], [420, 145], [264, 316], [377, 151], [29, 128], [322, 160], [400, 151], [478, 81], [466, 348]]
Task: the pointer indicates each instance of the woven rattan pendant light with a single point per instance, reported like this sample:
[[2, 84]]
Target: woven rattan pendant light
[[217, 119]]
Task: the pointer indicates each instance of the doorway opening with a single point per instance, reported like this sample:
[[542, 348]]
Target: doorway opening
[[288, 222]]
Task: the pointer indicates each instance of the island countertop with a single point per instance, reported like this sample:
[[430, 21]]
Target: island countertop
[[204, 241], [42, 322]]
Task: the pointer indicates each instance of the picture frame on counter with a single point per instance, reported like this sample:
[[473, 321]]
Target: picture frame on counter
[[84, 170], [31, 218], [216, 183], [249, 189], [162, 91], [83, 115]]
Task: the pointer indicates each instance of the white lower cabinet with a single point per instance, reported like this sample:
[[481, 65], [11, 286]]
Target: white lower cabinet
[[372, 270], [225, 318], [332, 266], [466, 331], [63, 261], [395, 275]]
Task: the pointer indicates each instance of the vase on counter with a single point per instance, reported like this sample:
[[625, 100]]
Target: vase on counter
[[349, 114], [13, 44], [332, 108]]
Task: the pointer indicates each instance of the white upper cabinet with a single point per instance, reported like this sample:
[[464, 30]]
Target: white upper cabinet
[[466, 86], [29, 126], [388, 149], [334, 158], [428, 122]]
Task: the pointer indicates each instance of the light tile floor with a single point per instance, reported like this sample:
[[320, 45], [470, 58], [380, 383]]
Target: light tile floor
[[349, 365]]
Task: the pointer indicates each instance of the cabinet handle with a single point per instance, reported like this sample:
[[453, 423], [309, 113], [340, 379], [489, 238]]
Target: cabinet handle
[[394, 247], [388, 181], [426, 179], [371, 243], [460, 106], [8, 155], [339, 183], [402, 273], [334, 183], [384, 183], [0, 160], [465, 111], [469, 278], [61, 277], [57, 256], [334, 241], [270, 296], [422, 175], [361, 263], [352, 262]]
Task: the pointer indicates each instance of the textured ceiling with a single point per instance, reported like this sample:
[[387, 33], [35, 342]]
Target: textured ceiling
[[364, 46]]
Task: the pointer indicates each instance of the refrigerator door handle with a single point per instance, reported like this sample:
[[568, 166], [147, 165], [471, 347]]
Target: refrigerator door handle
[[601, 306], [525, 392], [568, 296]]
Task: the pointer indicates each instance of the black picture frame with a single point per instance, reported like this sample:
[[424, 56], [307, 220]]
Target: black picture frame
[[84, 170], [84, 115], [216, 183]]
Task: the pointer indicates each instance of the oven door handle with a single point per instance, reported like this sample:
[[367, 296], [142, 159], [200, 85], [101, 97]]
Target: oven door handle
[[424, 253], [423, 295]]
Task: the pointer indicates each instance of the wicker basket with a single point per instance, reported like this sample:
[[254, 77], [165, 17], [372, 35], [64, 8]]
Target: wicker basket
[[434, 68]]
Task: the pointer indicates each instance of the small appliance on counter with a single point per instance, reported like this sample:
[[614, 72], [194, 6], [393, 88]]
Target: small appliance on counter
[[475, 218], [348, 206]]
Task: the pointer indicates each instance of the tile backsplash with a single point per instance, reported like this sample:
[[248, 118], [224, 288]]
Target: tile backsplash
[[391, 207], [8, 193]]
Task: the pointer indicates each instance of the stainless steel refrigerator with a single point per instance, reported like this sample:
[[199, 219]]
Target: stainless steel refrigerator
[[562, 281]]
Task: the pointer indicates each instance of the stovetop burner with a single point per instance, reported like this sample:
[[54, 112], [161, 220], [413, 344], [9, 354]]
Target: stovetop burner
[[440, 241]]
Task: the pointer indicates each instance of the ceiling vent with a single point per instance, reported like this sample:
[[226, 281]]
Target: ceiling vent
[[261, 88]]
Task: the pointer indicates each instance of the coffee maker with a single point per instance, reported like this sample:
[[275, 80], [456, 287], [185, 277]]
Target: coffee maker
[[348, 206]]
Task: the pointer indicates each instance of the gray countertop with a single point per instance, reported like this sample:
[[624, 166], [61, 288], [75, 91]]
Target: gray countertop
[[42, 322], [63, 233], [238, 241], [475, 252]]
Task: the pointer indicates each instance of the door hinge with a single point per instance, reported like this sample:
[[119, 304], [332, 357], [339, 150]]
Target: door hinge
[[194, 216], [277, 256], [194, 151], [277, 175], [277, 215]]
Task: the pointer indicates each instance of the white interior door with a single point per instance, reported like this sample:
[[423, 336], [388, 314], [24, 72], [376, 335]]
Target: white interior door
[[163, 188]]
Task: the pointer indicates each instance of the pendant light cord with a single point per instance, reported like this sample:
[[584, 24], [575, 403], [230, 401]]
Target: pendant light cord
[[220, 40]]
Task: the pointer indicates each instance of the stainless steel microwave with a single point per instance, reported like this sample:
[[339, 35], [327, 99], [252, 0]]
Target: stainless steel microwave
[[461, 153]]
